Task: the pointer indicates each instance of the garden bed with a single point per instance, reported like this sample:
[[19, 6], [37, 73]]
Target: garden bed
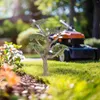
[[28, 88]]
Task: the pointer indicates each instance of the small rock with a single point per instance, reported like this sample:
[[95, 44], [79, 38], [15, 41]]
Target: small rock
[[24, 92]]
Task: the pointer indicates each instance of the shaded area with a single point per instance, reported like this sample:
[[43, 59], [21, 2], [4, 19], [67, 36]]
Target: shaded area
[[85, 61]]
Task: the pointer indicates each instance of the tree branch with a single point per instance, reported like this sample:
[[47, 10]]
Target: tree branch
[[52, 56], [59, 34], [38, 26], [39, 43], [37, 51]]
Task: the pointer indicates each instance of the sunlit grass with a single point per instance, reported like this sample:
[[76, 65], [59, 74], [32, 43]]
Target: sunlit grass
[[33, 68], [80, 69], [78, 80], [32, 55]]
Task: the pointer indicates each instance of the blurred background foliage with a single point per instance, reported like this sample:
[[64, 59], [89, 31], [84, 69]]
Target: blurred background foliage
[[24, 37], [83, 15], [93, 42], [11, 30]]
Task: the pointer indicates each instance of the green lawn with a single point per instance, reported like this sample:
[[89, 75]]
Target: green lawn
[[78, 80], [32, 55]]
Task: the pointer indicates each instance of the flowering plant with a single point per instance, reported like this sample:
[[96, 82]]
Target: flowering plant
[[10, 60], [10, 54], [7, 76], [8, 79]]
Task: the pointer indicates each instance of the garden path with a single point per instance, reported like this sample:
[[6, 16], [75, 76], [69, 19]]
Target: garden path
[[31, 59]]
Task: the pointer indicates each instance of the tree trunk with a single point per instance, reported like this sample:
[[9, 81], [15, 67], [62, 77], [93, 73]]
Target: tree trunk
[[36, 14], [96, 19], [88, 14], [72, 12], [17, 8], [45, 66]]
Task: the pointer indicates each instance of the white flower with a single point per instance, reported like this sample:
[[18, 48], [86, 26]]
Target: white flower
[[0, 53], [5, 46], [11, 46]]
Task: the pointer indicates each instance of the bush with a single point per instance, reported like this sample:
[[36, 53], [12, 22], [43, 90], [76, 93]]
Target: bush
[[10, 62], [21, 26], [93, 42], [24, 37], [8, 29], [11, 30], [10, 54]]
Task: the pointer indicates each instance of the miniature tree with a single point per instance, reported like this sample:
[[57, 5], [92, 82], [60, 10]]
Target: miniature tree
[[43, 45]]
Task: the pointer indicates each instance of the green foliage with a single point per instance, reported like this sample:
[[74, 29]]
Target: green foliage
[[50, 7], [45, 5], [49, 23], [32, 56], [59, 47], [52, 23], [10, 55], [61, 8], [93, 42], [21, 26], [72, 81], [40, 42], [37, 42], [5, 95], [24, 37], [9, 29]]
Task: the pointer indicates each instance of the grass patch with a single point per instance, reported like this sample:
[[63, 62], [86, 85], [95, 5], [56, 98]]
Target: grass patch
[[78, 80], [32, 55]]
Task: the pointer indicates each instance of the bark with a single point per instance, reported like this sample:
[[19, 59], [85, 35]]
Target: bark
[[36, 14], [17, 8], [45, 66], [88, 14], [72, 12], [96, 20]]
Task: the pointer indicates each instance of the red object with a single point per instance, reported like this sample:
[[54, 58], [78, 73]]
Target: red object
[[71, 35]]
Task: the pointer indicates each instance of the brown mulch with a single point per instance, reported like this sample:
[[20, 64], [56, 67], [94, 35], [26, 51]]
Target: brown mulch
[[29, 87]]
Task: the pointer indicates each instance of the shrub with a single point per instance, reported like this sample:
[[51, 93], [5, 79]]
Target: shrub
[[24, 37], [93, 42], [10, 55], [8, 29], [10, 59], [11, 30], [21, 26], [50, 23], [8, 79]]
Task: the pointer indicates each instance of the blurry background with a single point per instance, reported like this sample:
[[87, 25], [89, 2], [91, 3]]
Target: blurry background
[[16, 15]]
